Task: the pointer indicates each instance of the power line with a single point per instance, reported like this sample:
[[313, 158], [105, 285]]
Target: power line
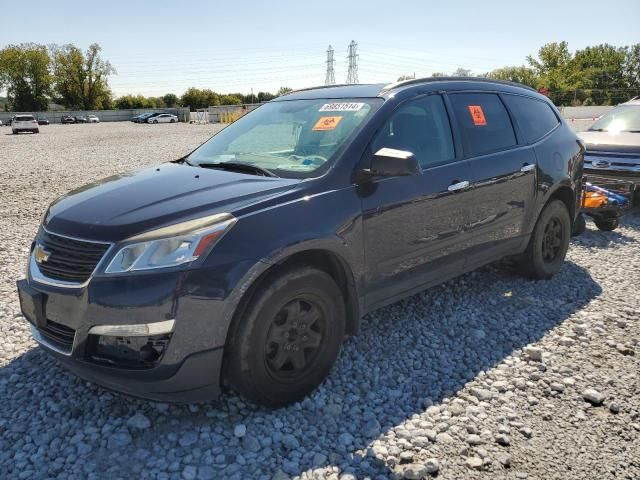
[[352, 73], [331, 74]]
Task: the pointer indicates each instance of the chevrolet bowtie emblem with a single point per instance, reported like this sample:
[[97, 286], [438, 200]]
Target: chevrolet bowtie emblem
[[41, 254]]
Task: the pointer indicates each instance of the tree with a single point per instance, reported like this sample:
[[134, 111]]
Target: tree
[[80, 78], [524, 75], [462, 72], [439, 74], [283, 91], [265, 96], [170, 100], [599, 70], [553, 68], [197, 98], [24, 73], [631, 67], [232, 99]]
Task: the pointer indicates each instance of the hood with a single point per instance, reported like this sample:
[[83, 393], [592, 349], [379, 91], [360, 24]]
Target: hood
[[622, 142], [118, 207]]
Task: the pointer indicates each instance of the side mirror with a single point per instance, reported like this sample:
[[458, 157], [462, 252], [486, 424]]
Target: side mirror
[[389, 162]]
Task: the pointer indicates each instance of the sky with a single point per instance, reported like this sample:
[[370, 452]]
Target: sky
[[164, 46]]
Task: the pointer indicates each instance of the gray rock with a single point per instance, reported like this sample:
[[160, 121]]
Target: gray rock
[[482, 394], [119, 439], [240, 430], [188, 438], [534, 353], [190, 472], [503, 439], [474, 440], [414, 471], [432, 466], [474, 462], [290, 442], [139, 421], [593, 396]]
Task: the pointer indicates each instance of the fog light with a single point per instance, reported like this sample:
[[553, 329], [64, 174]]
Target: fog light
[[135, 330]]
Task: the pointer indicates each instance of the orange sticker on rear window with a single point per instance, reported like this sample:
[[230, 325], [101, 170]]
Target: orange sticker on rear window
[[326, 123], [477, 115]]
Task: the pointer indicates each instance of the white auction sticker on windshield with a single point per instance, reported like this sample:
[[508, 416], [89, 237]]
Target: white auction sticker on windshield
[[341, 107]]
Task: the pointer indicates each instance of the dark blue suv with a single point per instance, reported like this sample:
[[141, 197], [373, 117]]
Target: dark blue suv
[[245, 263]]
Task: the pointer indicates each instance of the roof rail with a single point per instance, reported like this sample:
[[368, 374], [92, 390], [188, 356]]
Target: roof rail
[[319, 87], [414, 81]]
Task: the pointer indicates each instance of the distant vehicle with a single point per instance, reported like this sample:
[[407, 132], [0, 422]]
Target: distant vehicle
[[142, 118], [93, 119], [1, 123], [67, 119], [24, 123], [43, 121], [613, 144], [81, 119], [163, 118]]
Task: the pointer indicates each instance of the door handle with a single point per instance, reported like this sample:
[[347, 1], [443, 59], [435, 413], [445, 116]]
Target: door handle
[[458, 186], [527, 167]]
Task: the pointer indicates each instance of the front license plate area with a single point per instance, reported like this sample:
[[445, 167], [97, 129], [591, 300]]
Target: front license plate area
[[32, 304]]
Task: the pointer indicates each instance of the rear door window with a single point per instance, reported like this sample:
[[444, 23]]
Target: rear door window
[[534, 117], [421, 127], [24, 118], [484, 121]]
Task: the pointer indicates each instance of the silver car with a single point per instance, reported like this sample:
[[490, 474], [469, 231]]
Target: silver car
[[613, 144]]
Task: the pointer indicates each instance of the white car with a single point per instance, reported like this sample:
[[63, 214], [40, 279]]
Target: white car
[[93, 119], [24, 123], [163, 118]]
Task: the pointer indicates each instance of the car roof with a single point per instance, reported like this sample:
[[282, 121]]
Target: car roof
[[633, 101], [387, 90]]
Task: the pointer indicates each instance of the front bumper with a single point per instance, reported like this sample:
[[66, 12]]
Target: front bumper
[[189, 368]]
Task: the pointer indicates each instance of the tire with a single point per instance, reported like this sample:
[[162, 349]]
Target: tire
[[265, 358], [155, 121], [36, 131], [607, 224], [173, 121], [579, 226], [549, 242]]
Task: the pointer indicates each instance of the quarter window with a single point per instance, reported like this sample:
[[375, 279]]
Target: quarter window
[[484, 122], [535, 118], [420, 127]]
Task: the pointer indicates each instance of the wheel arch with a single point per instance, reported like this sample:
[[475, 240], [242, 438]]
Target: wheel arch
[[566, 195], [325, 260]]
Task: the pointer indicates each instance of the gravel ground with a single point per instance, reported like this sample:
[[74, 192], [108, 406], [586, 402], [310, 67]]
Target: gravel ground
[[487, 376]]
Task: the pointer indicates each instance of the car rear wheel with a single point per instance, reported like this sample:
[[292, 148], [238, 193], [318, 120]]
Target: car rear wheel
[[287, 339], [549, 242], [155, 121]]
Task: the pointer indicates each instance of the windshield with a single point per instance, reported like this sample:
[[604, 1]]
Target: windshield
[[295, 138], [625, 118]]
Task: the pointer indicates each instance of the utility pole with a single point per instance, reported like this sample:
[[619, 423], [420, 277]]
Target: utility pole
[[330, 79], [352, 73]]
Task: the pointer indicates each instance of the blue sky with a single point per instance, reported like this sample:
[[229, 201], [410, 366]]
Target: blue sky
[[165, 46]]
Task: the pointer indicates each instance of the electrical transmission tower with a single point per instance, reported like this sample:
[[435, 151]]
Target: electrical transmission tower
[[331, 74], [352, 74]]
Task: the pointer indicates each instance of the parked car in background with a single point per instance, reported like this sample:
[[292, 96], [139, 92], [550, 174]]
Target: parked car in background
[[245, 263], [67, 119], [24, 123], [1, 124], [80, 119], [163, 118], [142, 118], [613, 144], [43, 121], [93, 119]]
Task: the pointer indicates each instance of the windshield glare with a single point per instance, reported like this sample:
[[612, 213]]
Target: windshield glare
[[294, 138], [620, 119]]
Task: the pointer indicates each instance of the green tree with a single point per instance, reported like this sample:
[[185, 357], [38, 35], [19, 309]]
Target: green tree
[[283, 91], [462, 72], [197, 98], [233, 99], [24, 73], [170, 100], [599, 70], [631, 67], [554, 70], [524, 75], [265, 96], [126, 102], [81, 78]]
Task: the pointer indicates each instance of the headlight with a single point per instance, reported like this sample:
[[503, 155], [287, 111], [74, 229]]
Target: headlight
[[171, 246]]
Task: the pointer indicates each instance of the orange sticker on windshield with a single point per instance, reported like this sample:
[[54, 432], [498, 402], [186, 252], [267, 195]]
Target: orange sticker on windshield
[[477, 115], [326, 123]]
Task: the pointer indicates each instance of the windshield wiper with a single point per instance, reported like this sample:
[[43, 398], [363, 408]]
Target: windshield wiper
[[239, 167]]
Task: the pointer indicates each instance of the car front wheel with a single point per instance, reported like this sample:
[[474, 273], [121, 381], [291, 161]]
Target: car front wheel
[[287, 339], [549, 242]]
